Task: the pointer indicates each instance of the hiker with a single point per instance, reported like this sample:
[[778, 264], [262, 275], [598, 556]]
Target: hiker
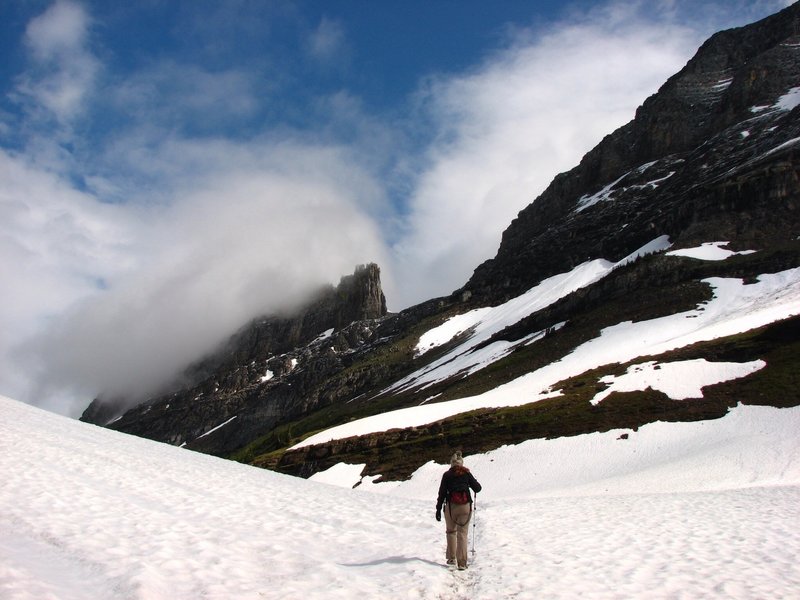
[[454, 493]]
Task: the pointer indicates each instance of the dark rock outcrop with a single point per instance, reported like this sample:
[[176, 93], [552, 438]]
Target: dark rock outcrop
[[266, 373], [709, 130]]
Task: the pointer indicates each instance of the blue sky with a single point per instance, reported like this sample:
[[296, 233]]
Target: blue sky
[[296, 50], [169, 170]]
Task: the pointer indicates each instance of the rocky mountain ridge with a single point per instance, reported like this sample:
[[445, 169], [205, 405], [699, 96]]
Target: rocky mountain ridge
[[685, 139], [260, 360], [712, 156]]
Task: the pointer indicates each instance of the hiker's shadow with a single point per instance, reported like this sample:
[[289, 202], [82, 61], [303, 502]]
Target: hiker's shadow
[[395, 560]]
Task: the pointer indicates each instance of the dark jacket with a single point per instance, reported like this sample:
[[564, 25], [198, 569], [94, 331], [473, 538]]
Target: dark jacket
[[456, 479]]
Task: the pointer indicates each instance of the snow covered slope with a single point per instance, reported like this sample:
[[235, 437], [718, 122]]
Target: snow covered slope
[[699, 510], [735, 308]]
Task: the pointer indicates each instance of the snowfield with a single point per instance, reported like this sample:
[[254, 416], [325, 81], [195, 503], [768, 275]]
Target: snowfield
[[679, 380], [708, 251], [684, 510]]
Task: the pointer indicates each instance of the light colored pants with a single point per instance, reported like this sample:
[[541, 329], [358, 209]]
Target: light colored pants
[[456, 521]]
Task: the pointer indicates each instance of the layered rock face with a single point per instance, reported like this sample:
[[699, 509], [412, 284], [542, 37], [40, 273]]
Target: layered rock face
[[708, 143]]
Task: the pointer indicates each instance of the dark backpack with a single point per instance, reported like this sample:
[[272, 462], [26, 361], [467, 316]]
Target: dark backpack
[[459, 497]]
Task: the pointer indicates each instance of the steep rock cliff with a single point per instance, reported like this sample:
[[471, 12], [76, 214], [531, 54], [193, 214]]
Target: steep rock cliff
[[682, 161], [266, 373]]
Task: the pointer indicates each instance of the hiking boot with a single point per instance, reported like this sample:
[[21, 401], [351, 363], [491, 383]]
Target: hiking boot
[[462, 567], [451, 561]]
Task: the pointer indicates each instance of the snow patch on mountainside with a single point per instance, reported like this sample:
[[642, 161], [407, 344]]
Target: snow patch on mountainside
[[750, 446], [449, 329], [678, 380], [708, 251], [483, 323], [789, 100], [486, 322], [735, 308], [608, 191]]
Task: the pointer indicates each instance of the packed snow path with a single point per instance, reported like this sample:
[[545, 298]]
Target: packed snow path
[[90, 513]]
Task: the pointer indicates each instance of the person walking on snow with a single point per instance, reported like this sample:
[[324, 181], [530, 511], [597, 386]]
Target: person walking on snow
[[454, 495]]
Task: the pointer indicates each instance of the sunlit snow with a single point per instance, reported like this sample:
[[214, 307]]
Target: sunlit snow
[[450, 329], [483, 323], [673, 510], [220, 426], [607, 192], [678, 380], [696, 510], [708, 251], [789, 100], [786, 102]]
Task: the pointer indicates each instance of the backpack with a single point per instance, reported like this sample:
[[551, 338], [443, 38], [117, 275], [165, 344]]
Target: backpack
[[459, 497]]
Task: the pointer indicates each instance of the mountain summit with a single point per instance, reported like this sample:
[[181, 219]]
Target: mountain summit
[[657, 280], [233, 382]]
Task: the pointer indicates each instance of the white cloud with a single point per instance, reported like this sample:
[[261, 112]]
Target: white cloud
[[60, 29], [56, 244], [328, 42], [507, 128], [256, 230], [64, 69], [169, 95]]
